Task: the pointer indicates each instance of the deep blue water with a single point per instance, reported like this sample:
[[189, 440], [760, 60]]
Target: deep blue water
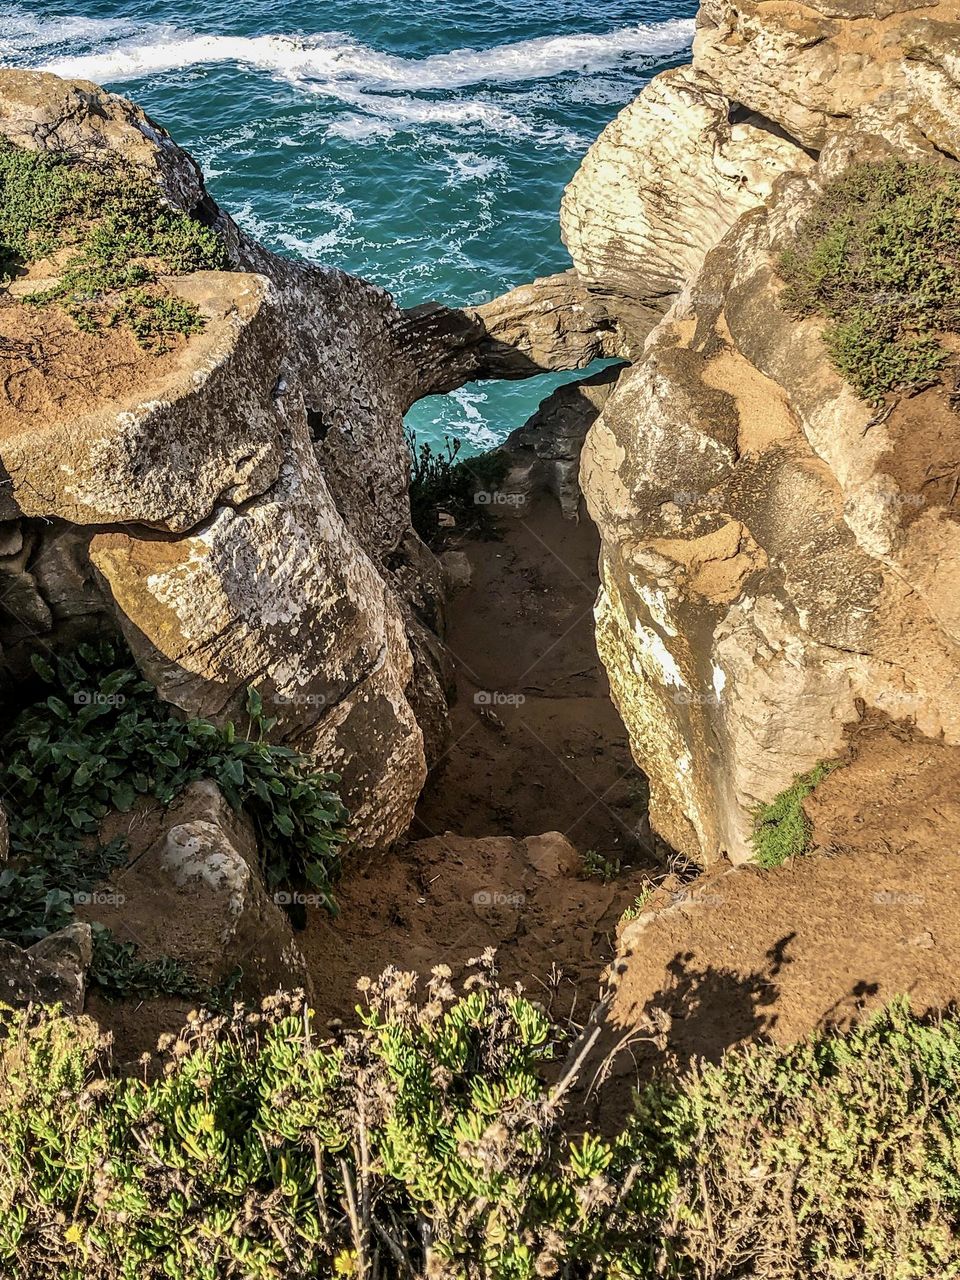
[[424, 145]]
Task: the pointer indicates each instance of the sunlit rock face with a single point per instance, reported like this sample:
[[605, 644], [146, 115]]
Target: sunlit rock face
[[660, 186], [774, 558], [773, 562], [888, 65], [244, 503]]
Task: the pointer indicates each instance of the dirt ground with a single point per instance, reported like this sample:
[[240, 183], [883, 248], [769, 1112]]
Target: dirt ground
[[871, 913], [446, 899], [554, 754], [541, 749], [924, 458], [51, 369]]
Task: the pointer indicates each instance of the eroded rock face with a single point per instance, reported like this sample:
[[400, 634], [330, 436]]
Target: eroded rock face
[[545, 452], [247, 493], [772, 561], [659, 187], [827, 66]]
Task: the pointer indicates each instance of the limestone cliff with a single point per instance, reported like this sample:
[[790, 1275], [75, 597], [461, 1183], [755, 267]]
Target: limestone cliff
[[241, 507], [777, 554]]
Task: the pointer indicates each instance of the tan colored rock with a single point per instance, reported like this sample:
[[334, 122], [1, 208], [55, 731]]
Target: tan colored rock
[[660, 186], [551, 324], [280, 597], [760, 583], [457, 570], [194, 894], [208, 425], [552, 855], [823, 68]]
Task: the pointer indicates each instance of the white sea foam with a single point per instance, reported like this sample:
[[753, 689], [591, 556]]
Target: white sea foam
[[360, 128], [337, 60], [22, 33], [470, 166]]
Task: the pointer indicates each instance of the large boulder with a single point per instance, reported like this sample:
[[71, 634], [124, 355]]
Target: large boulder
[[192, 891]]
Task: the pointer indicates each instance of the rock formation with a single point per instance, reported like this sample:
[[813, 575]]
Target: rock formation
[[777, 555], [242, 505]]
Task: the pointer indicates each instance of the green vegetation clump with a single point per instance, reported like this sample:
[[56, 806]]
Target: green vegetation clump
[[879, 257], [639, 905], [96, 743], [431, 1142], [464, 488], [119, 238], [781, 829], [597, 866]]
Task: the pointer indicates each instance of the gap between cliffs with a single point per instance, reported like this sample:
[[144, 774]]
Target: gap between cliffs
[[531, 835]]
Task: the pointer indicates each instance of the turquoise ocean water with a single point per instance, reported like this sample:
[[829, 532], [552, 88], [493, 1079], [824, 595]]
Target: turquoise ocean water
[[423, 144]]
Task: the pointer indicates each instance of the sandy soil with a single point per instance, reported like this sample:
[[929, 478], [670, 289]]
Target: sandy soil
[[50, 369], [554, 755], [541, 750], [871, 913], [924, 458]]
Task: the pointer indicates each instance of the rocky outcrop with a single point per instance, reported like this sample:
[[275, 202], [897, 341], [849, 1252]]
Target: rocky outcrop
[[246, 494], [659, 187], [777, 556], [191, 892], [831, 65]]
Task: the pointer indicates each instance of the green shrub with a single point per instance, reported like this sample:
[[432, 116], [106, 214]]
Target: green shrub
[[97, 742], [120, 235], [836, 1159], [597, 866], [438, 481], [781, 829], [639, 905], [425, 1142], [431, 1142], [879, 257]]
